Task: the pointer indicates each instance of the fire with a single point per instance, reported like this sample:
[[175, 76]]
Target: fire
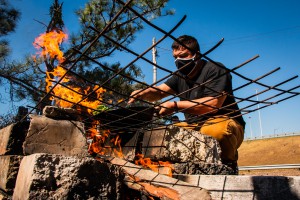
[[102, 146], [49, 43], [160, 166], [102, 143], [66, 94]]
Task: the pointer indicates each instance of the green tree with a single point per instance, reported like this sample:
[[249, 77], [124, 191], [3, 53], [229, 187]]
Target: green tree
[[98, 14], [8, 20]]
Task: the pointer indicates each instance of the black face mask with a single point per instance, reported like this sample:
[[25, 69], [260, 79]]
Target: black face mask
[[184, 65]]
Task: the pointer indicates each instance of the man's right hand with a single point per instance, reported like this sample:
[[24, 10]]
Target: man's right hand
[[151, 94], [134, 95]]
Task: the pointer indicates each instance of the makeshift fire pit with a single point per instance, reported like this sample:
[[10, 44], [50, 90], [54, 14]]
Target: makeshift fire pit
[[55, 164]]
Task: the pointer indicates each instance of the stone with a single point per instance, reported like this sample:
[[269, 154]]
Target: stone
[[61, 113], [46, 135], [12, 138], [4, 196], [177, 145], [9, 167], [247, 187], [50, 176], [202, 168]]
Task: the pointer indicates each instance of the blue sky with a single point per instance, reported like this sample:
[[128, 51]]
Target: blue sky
[[270, 29]]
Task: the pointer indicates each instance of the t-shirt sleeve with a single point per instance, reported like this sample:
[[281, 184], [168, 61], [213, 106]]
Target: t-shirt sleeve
[[218, 80], [173, 83]]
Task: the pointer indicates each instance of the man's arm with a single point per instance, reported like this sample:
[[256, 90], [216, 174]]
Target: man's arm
[[197, 107], [151, 94]]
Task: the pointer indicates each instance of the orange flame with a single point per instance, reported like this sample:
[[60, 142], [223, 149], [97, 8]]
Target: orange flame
[[49, 43], [66, 95], [160, 166]]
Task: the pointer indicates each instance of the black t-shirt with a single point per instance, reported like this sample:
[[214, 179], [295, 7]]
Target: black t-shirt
[[211, 81]]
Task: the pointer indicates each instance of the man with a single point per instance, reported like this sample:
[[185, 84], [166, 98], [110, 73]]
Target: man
[[206, 98]]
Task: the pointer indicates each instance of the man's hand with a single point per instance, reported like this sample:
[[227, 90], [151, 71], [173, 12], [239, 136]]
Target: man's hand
[[166, 108], [151, 94], [135, 94]]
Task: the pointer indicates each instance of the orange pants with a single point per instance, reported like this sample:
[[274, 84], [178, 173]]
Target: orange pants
[[228, 132]]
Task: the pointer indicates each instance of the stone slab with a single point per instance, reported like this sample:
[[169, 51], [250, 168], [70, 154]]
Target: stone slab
[[4, 196], [247, 187], [9, 166], [46, 135], [12, 138], [4, 138], [177, 145], [49, 176]]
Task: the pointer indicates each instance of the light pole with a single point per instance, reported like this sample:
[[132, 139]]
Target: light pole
[[154, 53], [259, 118], [251, 133], [275, 131]]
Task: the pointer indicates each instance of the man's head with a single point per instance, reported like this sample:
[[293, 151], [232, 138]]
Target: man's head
[[188, 41], [186, 53]]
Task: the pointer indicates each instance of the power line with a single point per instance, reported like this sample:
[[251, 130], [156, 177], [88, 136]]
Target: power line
[[258, 35], [246, 37]]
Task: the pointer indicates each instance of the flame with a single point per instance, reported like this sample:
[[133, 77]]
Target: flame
[[117, 151], [67, 95], [160, 166], [103, 146], [49, 43]]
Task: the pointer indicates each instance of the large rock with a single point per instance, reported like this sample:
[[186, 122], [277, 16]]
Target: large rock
[[8, 172], [12, 138], [46, 135], [45, 176], [179, 145]]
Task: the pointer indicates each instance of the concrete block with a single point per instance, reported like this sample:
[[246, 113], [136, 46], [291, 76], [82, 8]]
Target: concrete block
[[12, 138], [45, 176], [9, 166], [247, 187], [179, 145], [46, 135], [4, 196]]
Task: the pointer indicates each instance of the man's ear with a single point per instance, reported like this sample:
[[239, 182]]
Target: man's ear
[[198, 57]]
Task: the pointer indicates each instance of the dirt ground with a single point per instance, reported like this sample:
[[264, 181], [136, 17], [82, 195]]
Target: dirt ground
[[284, 150]]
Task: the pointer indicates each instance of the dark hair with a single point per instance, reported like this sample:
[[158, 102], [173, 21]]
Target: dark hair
[[188, 41]]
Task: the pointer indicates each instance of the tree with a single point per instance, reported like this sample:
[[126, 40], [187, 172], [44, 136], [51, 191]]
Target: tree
[[8, 19], [98, 14], [28, 78]]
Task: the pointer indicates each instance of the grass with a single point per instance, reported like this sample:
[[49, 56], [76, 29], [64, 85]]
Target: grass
[[272, 151]]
